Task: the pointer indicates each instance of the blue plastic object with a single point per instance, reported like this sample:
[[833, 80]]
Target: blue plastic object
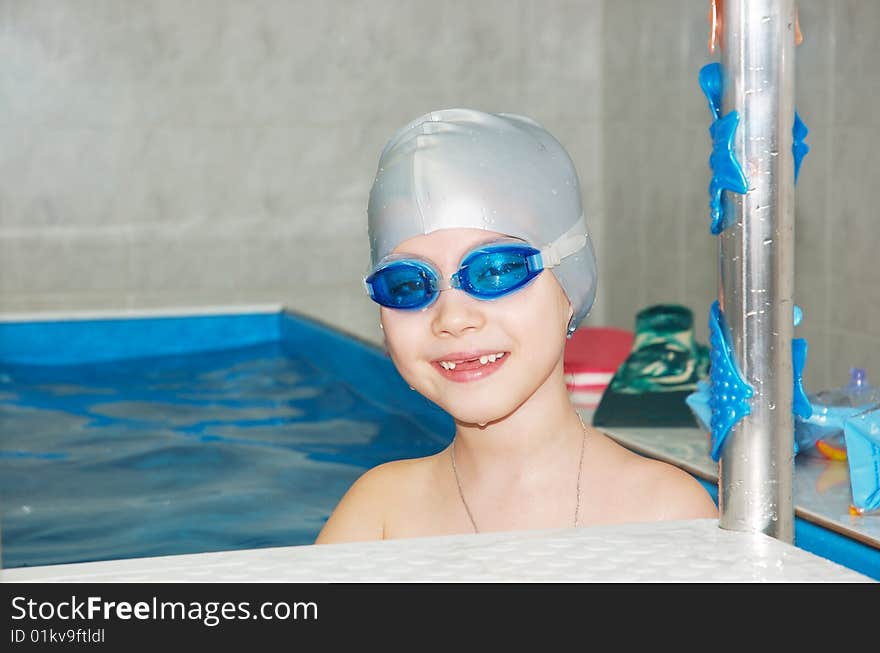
[[862, 435], [858, 381], [730, 394], [711, 83], [801, 406], [830, 409], [798, 148], [727, 173], [700, 400], [800, 402]]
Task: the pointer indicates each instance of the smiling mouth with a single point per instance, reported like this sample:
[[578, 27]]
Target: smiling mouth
[[471, 368], [471, 363]]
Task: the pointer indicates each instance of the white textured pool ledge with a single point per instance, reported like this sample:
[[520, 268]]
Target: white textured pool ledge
[[684, 551]]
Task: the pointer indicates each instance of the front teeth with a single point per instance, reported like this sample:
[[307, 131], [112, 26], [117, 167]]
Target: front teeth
[[490, 358]]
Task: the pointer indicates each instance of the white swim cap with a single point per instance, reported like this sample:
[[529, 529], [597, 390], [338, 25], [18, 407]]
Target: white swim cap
[[461, 168]]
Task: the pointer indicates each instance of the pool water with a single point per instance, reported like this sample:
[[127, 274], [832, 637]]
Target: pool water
[[245, 447]]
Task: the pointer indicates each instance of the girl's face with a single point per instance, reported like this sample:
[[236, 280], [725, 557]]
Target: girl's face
[[477, 359]]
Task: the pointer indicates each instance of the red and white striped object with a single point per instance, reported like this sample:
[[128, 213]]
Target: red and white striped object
[[592, 356]]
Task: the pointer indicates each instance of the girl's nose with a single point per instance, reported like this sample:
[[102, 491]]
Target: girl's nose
[[456, 313]]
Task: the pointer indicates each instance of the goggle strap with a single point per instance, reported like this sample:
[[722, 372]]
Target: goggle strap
[[567, 245]]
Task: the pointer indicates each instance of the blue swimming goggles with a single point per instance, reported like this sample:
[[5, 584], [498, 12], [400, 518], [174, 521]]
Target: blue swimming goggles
[[488, 272]]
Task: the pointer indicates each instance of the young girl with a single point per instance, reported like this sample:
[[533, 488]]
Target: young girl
[[482, 266]]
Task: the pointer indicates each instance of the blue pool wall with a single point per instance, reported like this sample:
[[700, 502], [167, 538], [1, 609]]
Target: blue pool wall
[[347, 357], [78, 341]]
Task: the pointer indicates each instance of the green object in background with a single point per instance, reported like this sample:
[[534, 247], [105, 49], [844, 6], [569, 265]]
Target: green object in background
[[665, 356], [663, 367]]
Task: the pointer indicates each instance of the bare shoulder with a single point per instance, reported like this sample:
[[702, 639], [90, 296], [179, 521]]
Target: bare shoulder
[[659, 490], [677, 494], [363, 511]]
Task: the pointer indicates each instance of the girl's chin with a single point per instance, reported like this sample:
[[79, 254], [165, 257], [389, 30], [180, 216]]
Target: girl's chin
[[478, 416], [479, 408], [473, 421]]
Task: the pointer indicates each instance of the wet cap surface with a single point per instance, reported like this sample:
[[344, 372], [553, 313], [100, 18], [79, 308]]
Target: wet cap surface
[[461, 168]]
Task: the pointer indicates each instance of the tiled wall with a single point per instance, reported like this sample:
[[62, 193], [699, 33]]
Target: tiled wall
[[657, 246], [160, 153]]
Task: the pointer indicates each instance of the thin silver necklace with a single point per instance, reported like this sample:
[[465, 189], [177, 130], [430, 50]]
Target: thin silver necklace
[[577, 507]]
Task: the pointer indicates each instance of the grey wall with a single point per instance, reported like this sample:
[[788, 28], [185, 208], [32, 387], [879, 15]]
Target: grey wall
[[167, 154], [164, 153], [657, 245]]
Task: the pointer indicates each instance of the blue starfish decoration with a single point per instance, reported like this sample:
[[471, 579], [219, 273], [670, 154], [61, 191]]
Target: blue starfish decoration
[[729, 393], [798, 148], [720, 402], [727, 173]]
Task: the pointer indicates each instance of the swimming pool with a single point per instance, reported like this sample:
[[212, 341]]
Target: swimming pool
[[149, 435]]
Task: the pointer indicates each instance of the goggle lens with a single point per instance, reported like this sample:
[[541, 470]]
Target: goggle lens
[[402, 284], [493, 273]]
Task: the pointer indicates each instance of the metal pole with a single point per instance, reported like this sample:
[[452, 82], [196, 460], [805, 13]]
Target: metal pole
[[756, 260]]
